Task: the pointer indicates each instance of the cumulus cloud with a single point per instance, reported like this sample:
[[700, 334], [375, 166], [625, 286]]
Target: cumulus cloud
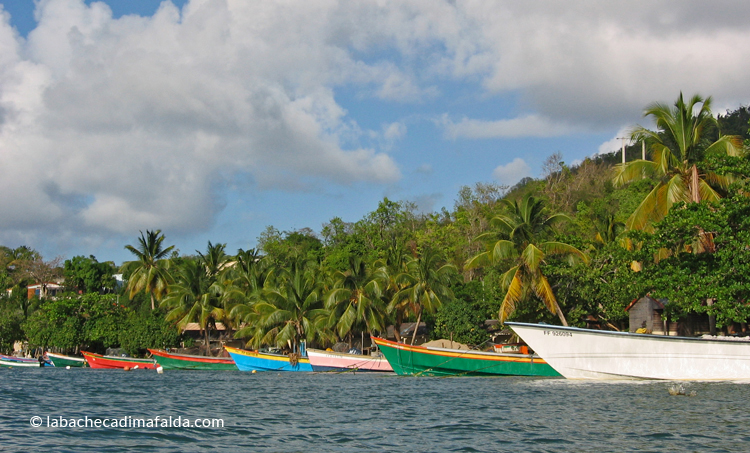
[[111, 125], [616, 142], [114, 125], [525, 126], [394, 131], [512, 172]]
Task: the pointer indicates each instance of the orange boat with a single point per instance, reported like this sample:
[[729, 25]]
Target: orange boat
[[112, 362]]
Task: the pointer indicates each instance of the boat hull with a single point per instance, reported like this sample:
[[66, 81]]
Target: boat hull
[[338, 361], [594, 354], [60, 360], [259, 361], [8, 363], [171, 361], [429, 361], [111, 362]]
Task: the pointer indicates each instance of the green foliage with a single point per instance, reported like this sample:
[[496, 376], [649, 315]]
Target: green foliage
[[96, 322], [601, 289], [462, 319], [57, 323], [103, 317], [10, 325], [88, 275], [148, 272], [283, 248], [688, 278], [142, 330]]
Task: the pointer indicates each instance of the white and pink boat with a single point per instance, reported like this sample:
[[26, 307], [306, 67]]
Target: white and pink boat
[[340, 361]]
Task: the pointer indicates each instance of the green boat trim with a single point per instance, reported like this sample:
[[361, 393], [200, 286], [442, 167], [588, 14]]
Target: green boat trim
[[409, 360], [62, 361], [172, 361]]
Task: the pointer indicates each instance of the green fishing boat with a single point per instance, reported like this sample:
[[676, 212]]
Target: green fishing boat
[[61, 360], [409, 360], [171, 361]]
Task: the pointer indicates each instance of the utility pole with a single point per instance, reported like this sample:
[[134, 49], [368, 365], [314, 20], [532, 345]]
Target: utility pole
[[643, 150], [623, 147]]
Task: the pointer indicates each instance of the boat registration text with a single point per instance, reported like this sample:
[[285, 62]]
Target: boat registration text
[[557, 333]]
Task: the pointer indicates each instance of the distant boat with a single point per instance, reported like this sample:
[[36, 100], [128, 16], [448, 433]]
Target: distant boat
[[61, 360], [598, 354], [263, 361], [172, 361], [433, 361], [339, 361], [113, 362], [9, 361]]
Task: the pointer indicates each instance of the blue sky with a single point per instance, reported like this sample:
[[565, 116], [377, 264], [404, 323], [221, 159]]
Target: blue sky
[[213, 119]]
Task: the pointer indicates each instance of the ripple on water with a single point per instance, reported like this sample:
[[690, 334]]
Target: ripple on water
[[268, 412]]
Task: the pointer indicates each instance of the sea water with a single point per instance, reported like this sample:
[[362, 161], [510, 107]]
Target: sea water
[[344, 412]]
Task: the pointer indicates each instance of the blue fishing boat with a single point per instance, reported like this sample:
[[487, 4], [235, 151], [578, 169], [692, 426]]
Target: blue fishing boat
[[264, 361]]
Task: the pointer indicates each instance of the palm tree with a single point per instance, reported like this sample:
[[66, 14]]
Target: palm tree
[[519, 242], [387, 269], [196, 294], [288, 311], [356, 298], [149, 271], [244, 284], [678, 147], [607, 229], [193, 297], [424, 285]]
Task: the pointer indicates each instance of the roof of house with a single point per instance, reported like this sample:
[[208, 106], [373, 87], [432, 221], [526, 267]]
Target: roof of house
[[193, 326], [658, 303]]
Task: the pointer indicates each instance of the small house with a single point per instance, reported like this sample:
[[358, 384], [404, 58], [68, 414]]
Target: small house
[[645, 313]]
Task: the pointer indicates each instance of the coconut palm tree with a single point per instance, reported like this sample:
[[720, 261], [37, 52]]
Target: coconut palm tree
[[356, 297], [196, 294], [387, 270], [678, 148], [149, 271], [287, 311], [424, 285], [520, 242], [244, 284], [194, 297]]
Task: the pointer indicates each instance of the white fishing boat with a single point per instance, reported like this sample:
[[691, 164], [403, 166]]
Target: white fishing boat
[[596, 354], [7, 361]]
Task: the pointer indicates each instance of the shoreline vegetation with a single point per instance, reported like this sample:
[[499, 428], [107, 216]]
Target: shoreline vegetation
[[574, 247]]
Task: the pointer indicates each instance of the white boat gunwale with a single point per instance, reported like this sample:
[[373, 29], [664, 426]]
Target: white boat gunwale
[[628, 334]]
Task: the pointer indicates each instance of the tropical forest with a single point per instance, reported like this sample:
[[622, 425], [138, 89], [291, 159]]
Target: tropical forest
[[667, 216]]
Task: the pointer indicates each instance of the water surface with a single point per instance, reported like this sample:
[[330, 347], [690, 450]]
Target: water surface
[[290, 412]]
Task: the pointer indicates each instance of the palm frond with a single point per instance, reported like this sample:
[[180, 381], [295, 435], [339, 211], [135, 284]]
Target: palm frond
[[641, 217], [532, 257], [513, 296], [544, 292]]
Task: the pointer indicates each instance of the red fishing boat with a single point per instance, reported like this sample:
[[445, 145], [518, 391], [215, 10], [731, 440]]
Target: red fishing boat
[[113, 362]]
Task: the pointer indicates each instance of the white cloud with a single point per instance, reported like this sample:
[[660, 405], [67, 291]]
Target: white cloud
[[616, 142], [512, 172], [111, 125], [394, 131], [525, 126]]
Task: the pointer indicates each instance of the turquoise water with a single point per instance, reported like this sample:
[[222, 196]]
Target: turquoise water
[[290, 412]]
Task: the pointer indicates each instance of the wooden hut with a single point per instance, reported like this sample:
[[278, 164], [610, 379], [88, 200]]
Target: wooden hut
[[645, 314]]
